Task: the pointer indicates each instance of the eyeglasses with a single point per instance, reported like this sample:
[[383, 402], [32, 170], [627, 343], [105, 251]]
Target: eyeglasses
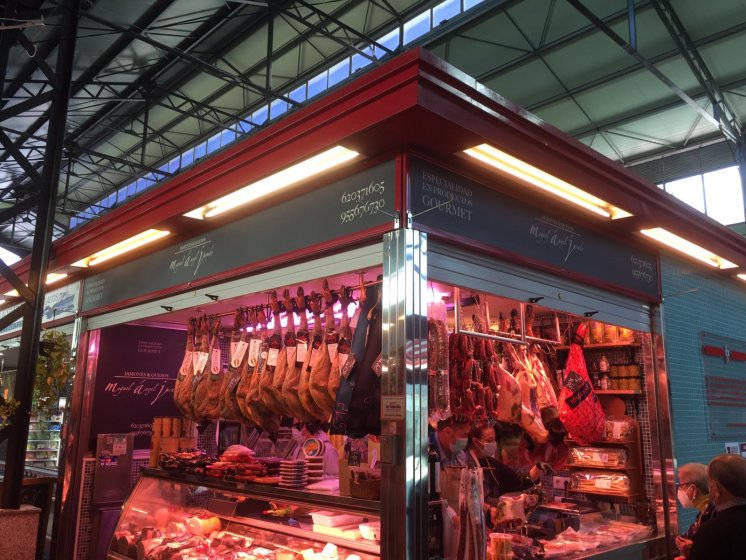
[[683, 484]]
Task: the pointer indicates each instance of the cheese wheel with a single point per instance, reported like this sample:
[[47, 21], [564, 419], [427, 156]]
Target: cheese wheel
[[200, 526]]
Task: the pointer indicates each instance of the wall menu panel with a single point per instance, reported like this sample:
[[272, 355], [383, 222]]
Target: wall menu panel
[[353, 204], [453, 204]]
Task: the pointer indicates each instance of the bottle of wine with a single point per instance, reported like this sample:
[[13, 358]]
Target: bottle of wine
[[433, 460]]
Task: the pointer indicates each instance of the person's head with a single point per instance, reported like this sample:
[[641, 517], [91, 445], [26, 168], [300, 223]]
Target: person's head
[[452, 434], [482, 440], [692, 484], [727, 478], [311, 428]]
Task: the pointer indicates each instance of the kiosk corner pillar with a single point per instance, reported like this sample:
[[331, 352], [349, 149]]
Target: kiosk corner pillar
[[404, 396]]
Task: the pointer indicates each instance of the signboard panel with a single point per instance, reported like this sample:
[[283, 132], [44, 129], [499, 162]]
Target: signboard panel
[[724, 361], [448, 202], [353, 204], [135, 379], [58, 304]]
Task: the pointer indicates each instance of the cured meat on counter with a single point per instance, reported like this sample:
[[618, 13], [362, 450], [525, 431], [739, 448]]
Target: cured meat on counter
[[238, 355], [291, 383], [304, 389], [321, 367], [206, 395]]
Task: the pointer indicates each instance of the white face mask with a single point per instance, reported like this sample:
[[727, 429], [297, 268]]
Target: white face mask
[[684, 499], [490, 448], [459, 445]]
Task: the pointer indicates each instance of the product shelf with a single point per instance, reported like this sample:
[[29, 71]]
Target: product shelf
[[603, 345], [267, 492]]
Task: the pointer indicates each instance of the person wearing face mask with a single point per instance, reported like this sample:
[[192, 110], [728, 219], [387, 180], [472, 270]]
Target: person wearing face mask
[[693, 493], [449, 440], [498, 478], [723, 537]]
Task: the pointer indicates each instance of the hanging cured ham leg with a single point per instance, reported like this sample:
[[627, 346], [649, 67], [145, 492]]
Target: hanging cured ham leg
[[274, 352], [579, 407], [238, 355], [182, 388], [342, 351], [291, 384], [247, 371], [206, 396], [264, 417], [304, 389], [321, 368], [286, 359]]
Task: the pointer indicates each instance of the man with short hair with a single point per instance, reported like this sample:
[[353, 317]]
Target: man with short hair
[[722, 537], [449, 440]]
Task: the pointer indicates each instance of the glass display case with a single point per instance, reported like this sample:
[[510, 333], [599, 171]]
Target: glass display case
[[174, 515]]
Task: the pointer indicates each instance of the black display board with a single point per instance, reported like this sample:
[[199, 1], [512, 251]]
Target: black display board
[[470, 210], [135, 378], [331, 212]]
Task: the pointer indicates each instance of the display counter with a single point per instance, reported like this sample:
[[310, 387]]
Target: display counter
[[178, 515], [650, 549]]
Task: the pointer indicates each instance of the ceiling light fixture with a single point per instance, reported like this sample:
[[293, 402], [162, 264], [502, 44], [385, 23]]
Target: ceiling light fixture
[[129, 244], [52, 277], [275, 182], [741, 277], [533, 175], [687, 247]]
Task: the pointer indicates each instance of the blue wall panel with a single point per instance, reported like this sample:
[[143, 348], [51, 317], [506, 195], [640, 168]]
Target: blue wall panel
[[696, 300]]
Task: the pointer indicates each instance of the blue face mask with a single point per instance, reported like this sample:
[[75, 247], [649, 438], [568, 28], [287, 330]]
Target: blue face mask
[[459, 445]]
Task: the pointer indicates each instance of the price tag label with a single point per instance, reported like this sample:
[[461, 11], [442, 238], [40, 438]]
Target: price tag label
[[597, 457], [186, 363], [215, 366], [301, 353], [332, 351], [272, 357], [254, 346], [616, 430], [239, 353], [290, 355], [603, 483], [202, 358]]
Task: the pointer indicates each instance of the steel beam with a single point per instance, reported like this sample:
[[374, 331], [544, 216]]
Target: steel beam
[[689, 52], [598, 22], [31, 327]]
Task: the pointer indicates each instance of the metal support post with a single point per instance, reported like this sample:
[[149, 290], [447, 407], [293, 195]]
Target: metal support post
[[31, 328], [740, 149], [404, 494]]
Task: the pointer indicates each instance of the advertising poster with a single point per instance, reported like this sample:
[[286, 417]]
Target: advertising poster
[[135, 378]]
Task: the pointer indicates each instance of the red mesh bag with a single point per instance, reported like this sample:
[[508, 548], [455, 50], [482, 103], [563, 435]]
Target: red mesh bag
[[579, 408]]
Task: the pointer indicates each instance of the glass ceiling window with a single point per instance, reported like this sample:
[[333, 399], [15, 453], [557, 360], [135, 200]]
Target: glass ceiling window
[[716, 193], [408, 31]]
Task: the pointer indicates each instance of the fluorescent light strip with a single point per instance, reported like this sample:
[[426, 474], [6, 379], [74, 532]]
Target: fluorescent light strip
[[687, 247], [129, 244], [52, 277], [741, 277], [275, 182], [535, 176]]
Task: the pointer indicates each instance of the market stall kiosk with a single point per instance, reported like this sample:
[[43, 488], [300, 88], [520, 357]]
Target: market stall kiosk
[[443, 202]]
